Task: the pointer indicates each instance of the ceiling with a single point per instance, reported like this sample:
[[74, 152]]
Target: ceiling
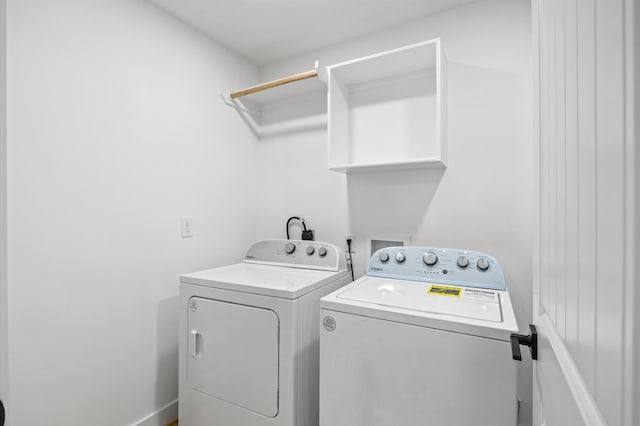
[[266, 31]]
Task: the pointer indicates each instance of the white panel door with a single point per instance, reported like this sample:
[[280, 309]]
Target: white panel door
[[585, 293], [233, 354]]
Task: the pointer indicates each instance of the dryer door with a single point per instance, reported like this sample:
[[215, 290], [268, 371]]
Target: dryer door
[[233, 354]]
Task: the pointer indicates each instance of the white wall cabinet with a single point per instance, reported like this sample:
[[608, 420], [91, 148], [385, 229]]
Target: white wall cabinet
[[387, 111]]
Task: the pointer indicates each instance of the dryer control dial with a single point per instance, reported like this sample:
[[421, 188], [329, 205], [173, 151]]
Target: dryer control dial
[[483, 264], [384, 257], [400, 257], [304, 254], [290, 248], [430, 258]]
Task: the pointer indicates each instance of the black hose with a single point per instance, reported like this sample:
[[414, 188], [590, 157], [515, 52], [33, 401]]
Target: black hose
[[301, 220]]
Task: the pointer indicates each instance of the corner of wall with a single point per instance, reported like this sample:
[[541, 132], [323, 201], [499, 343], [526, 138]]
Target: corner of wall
[[4, 370], [637, 137], [164, 416], [632, 292]]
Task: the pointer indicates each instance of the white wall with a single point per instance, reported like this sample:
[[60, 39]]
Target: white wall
[[116, 130], [482, 201]]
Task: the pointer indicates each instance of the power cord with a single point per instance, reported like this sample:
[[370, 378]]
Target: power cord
[[307, 234], [350, 260]]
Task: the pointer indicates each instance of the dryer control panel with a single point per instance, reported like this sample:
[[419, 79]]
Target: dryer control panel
[[296, 254], [458, 267]]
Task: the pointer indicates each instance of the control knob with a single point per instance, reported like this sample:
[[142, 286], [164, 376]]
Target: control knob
[[400, 257], [322, 251], [384, 257], [483, 264], [463, 261], [430, 258], [290, 248], [310, 250]]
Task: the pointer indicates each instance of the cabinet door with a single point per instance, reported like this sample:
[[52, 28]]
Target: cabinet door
[[233, 354]]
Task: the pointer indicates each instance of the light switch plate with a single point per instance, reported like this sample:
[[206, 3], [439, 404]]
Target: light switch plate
[[187, 226]]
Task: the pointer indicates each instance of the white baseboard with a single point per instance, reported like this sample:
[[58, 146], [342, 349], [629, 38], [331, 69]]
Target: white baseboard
[[160, 417]]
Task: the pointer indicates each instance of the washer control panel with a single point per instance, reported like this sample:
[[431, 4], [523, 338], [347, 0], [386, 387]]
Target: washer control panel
[[297, 254], [465, 268]]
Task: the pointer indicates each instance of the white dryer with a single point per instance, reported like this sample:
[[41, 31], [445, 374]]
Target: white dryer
[[249, 336], [422, 339]]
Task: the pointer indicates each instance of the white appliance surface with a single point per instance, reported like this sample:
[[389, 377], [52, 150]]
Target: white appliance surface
[[376, 372], [226, 358], [276, 281], [422, 339], [414, 296], [480, 312], [249, 336]]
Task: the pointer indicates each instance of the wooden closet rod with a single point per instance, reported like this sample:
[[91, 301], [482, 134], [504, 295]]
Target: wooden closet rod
[[275, 83]]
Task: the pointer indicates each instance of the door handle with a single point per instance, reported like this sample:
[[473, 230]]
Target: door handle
[[197, 344], [520, 339]]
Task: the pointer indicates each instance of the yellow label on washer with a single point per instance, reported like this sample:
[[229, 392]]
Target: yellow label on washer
[[443, 290]]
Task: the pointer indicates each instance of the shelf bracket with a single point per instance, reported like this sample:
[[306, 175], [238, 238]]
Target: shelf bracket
[[234, 104], [312, 122]]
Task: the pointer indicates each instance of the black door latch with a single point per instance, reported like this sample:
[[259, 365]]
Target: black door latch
[[520, 339]]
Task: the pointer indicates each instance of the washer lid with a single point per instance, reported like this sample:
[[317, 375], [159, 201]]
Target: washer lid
[[479, 312], [276, 281], [429, 298]]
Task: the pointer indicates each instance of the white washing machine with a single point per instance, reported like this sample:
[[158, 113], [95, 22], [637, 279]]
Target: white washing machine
[[249, 336], [422, 339]]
